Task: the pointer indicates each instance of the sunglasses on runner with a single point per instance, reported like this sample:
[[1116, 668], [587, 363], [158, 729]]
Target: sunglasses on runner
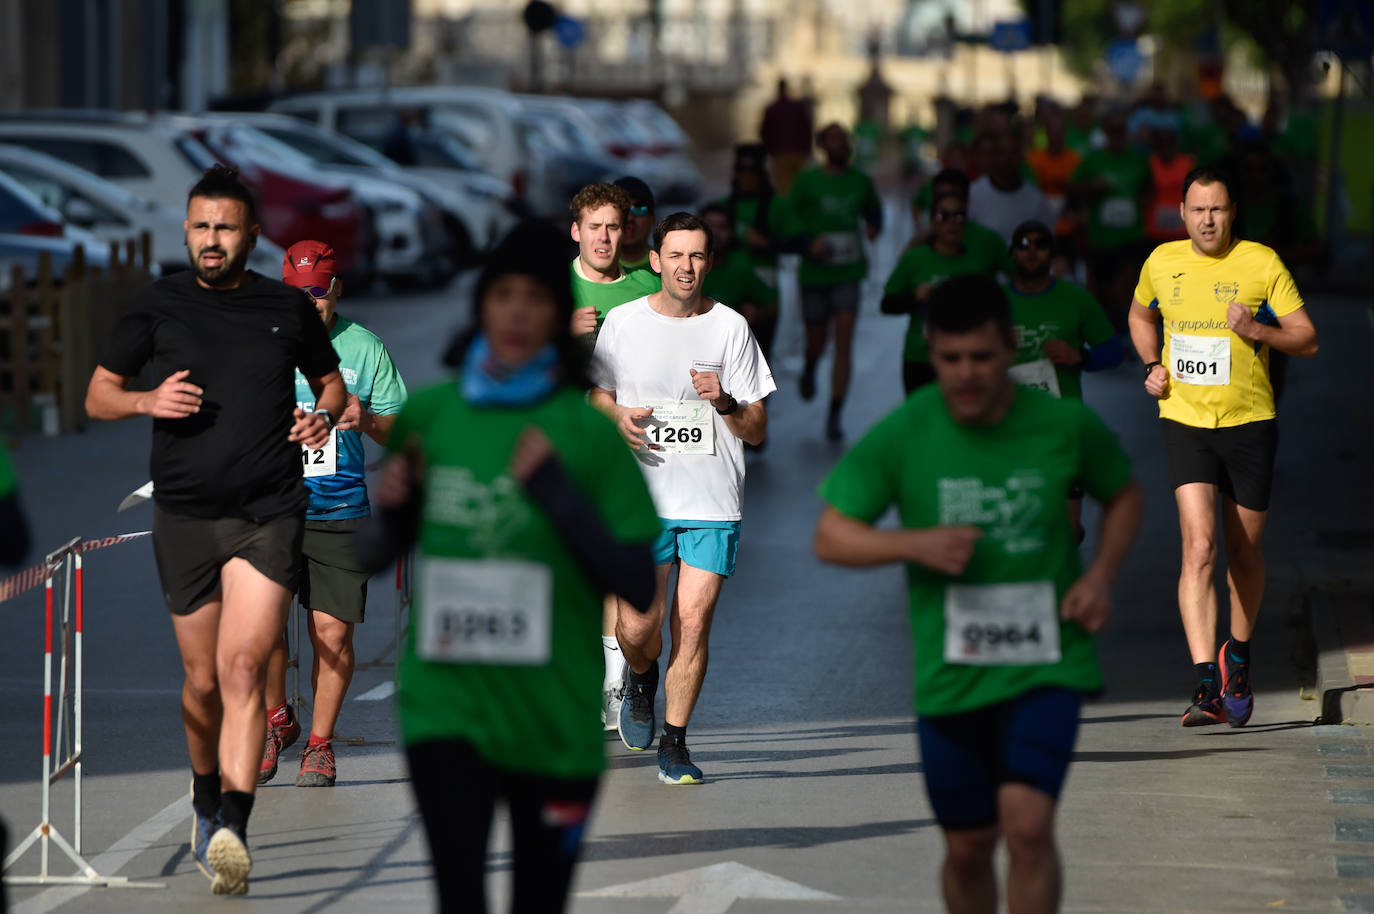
[[1026, 242], [640, 209], [318, 292], [945, 215]]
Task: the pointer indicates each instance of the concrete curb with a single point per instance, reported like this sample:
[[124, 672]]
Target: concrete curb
[[1343, 631]]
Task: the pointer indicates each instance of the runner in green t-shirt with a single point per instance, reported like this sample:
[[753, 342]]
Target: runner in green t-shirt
[[733, 281], [599, 282], [977, 236], [834, 207], [760, 216], [639, 224], [529, 509], [1002, 612], [924, 267]]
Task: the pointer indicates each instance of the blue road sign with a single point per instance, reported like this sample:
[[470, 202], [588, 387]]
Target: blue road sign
[[1011, 36], [1124, 59], [569, 31]]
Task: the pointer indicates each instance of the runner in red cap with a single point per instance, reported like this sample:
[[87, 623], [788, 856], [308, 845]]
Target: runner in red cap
[[333, 585]]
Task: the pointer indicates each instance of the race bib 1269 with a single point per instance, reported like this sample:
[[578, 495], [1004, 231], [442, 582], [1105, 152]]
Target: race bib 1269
[[681, 427]]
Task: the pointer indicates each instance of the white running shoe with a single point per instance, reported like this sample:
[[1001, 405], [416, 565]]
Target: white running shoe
[[610, 706]]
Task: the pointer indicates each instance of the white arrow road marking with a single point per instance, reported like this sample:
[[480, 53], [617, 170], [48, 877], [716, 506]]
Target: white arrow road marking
[[383, 691], [713, 889]]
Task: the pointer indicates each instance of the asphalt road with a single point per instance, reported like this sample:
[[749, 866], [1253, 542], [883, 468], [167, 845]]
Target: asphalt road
[[813, 799]]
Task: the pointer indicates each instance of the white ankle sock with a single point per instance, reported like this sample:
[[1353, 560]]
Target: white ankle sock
[[615, 662]]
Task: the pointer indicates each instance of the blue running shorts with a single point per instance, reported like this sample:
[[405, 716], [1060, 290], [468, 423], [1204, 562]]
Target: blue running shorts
[[710, 545], [966, 757]]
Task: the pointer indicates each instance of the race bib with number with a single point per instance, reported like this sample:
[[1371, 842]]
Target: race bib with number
[[496, 611], [1168, 218], [321, 461], [1204, 360], [1001, 624], [681, 427], [1039, 374], [1118, 212], [845, 248]]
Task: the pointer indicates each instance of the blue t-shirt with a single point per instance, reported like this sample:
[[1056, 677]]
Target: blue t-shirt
[[371, 376]]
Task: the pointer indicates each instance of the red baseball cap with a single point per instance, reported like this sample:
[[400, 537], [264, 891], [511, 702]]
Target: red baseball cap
[[309, 263]]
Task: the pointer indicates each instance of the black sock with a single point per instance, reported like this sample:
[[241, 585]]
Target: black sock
[[809, 367], [647, 679], [1207, 677], [835, 407], [1237, 652], [672, 734], [234, 810], [205, 793]]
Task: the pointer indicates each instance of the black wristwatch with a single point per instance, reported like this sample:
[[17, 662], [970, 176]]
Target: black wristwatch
[[328, 419], [1150, 366], [734, 405]]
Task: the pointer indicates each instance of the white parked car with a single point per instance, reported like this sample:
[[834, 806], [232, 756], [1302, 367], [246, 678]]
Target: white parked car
[[112, 213]]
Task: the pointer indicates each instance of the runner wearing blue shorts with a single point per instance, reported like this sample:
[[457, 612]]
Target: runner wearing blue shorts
[[1002, 612], [684, 381]]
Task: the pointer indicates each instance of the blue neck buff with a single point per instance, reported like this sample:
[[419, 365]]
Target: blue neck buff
[[486, 382]]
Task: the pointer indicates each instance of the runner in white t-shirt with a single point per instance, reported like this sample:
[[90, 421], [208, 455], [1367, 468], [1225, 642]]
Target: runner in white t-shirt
[[684, 381]]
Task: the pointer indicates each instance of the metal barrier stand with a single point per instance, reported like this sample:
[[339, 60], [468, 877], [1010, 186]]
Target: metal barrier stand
[[67, 559]]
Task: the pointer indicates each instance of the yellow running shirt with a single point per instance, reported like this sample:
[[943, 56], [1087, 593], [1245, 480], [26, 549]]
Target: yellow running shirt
[[1217, 379]]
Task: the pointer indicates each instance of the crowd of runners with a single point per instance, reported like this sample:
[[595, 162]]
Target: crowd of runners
[[579, 477]]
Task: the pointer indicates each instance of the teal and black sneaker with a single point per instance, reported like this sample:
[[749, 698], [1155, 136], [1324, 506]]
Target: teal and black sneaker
[[202, 827], [637, 723], [675, 764]]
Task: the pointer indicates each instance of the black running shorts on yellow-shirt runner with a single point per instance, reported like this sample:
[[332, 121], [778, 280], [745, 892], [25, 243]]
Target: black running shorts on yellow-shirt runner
[[332, 580], [1238, 460], [191, 551]]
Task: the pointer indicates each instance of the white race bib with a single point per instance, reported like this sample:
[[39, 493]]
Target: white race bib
[[1039, 374], [1204, 360], [1168, 217], [485, 611], [1118, 212], [681, 427], [322, 461], [1001, 624], [845, 248]]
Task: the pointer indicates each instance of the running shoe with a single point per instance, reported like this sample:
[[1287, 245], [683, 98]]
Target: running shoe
[[279, 738], [1236, 698], [202, 827], [228, 857], [833, 431], [317, 766], [1206, 709], [637, 723], [610, 706], [675, 765], [808, 382]]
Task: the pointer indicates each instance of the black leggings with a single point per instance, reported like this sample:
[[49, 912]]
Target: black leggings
[[456, 790]]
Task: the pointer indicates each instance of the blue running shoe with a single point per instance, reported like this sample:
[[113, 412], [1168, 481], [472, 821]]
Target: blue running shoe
[[1236, 697], [202, 827], [228, 856], [675, 765], [637, 723]]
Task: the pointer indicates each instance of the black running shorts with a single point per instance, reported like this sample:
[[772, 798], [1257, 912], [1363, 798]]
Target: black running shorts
[[1238, 460], [332, 579], [190, 552]]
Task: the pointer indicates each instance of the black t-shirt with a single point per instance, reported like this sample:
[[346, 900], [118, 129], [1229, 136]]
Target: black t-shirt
[[233, 458]]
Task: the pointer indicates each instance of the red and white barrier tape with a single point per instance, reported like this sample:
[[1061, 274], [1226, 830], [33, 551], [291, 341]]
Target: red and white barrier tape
[[30, 578]]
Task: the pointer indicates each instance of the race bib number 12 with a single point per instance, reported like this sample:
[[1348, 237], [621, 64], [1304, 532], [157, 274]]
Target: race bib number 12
[[321, 461]]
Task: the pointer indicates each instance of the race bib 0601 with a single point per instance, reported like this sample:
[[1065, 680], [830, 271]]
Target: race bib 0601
[[681, 427], [321, 461], [1001, 624], [496, 611], [1039, 374], [1204, 360], [845, 248]]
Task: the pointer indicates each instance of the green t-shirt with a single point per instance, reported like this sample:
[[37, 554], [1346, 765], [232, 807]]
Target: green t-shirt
[[539, 719], [8, 484], [1065, 312], [1114, 218], [991, 244], [642, 264], [774, 226], [733, 280], [833, 206], [923, 264], [604, 296], [1011, 480]]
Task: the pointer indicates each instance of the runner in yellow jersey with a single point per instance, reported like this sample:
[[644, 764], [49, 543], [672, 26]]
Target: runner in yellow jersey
[[1224, 304]]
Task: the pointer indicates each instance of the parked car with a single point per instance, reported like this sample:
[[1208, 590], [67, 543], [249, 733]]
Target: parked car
[[680, 178], [412, 247], [158, 157], [112, 213], [476, 206], [644, 151], [23, 251]]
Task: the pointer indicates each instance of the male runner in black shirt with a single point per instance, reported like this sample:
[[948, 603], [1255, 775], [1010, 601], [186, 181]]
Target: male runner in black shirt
[[229, 507]]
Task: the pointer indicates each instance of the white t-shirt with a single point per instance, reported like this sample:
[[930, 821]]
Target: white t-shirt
[[645, 356], [1003, 211]]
